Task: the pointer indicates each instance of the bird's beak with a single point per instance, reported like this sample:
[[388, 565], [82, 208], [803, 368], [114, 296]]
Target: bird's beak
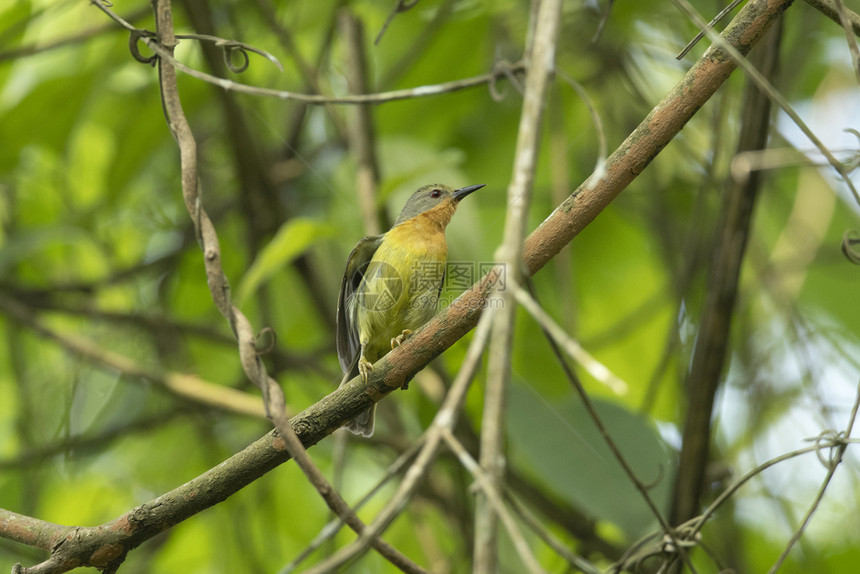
[[464, 191]]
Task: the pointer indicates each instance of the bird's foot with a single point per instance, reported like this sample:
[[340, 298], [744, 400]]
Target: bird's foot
[[365, 367], [398, 340]]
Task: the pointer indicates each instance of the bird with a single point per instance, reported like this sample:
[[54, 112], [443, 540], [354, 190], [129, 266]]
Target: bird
[[391, 285]]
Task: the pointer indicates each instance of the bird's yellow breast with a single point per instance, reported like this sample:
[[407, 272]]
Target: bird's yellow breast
[[401, 284], [422, 236]]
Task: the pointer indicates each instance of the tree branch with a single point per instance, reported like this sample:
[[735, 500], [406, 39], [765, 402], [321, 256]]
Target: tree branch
[[541, 68], [832, 10], [499, 71], [188, 387], [712, 343], [254, 368], [360, 132], [445, 419]]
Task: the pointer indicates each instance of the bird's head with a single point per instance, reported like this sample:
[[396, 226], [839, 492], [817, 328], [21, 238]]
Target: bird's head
[[433, 195]]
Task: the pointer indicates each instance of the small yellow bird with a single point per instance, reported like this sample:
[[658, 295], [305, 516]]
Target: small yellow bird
[[391, 285]]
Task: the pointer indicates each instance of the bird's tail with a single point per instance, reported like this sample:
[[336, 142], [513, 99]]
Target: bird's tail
[[364, 422]]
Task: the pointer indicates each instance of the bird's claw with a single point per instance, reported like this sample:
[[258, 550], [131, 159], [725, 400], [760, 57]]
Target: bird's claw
[[398, 340], [365, 367]]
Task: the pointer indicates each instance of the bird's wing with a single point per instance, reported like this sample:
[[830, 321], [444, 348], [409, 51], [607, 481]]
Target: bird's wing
[[442, 282], [347, 333]]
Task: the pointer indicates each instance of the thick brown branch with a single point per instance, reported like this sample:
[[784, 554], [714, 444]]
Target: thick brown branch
[[666, 119], [709, 359]]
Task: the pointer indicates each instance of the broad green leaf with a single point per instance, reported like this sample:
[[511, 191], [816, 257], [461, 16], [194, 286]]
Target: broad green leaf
[[291, 240], [563, 448]]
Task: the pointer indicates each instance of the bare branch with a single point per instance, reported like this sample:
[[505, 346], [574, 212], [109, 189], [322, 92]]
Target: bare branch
[[189, 387], [541, 68], [360, 131], [829, 9], [431, 440], [166, 55], [709, 358], [765, 86]]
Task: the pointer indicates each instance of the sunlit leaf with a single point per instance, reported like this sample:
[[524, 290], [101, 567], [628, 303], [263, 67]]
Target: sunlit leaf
[[291, 240]]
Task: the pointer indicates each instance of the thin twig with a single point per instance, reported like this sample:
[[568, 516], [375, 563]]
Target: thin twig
[[594, 367], [765, 86], [360, 132], [189, 387], [488, 487], [401, 6], [92, 442], [251, 363], [40, 48], [229, 47], [563, 514], [309, 73], [444, 421], [334, 526], [420, 46], [595, 117], [549, 538], [603, 20], [377, 98], [849, 36], [699, 521], [828, 8], [832, 464], [716, 20], [541, 58]]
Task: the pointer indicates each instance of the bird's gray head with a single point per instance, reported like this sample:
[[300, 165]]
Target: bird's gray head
[[430, 196]]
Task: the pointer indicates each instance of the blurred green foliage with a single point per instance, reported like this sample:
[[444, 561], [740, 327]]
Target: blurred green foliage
[[95, 242]]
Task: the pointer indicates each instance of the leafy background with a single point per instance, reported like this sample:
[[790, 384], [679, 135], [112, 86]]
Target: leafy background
[[96, 244]]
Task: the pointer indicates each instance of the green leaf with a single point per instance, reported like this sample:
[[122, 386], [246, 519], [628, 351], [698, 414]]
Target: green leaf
[[563, 447], [291, 240]]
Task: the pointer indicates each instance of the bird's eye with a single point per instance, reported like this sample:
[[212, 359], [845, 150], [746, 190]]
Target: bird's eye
[[436, 193]]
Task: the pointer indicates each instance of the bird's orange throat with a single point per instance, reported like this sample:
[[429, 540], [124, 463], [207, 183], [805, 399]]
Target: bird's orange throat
[[424, 234], [439, 216]]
